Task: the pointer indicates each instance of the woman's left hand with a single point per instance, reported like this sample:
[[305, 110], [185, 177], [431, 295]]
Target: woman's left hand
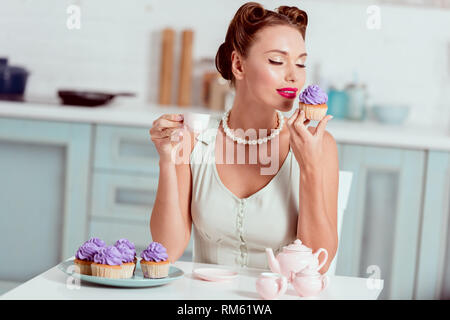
[[307, 143]]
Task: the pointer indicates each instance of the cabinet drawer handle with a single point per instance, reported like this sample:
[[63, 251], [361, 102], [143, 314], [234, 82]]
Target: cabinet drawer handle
[[135, 197], [136, 149]]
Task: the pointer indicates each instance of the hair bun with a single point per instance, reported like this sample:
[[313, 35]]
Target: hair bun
[[295, 15], [223, 61], [251, 12]]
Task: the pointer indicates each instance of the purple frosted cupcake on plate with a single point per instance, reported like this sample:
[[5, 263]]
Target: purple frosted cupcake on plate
[[128, 251], [314, 101], [98, 242], [84, 256], [154, 261], [108, 264]]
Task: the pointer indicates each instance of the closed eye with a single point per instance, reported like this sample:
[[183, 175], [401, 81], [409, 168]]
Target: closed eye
[[278, 63]]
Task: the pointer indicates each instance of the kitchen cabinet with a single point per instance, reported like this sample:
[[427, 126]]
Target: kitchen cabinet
[[125, 182], [433, 271], [381, 226], [44, 187], [126, 149]]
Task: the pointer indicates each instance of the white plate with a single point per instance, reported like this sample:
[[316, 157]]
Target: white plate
[[215, 274]]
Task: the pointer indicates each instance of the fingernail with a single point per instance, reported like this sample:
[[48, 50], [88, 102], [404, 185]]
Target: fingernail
[[180, 117], [331, 117]]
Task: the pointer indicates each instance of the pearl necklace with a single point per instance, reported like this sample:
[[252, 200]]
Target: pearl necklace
[[230, 134]]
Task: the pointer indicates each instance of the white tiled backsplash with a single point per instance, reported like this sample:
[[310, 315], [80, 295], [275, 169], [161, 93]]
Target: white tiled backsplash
[[118, 46]]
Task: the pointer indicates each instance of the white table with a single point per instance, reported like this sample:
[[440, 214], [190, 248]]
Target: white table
[[55, 284]]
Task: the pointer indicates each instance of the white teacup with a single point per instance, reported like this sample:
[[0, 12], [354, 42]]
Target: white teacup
[[197, 122]]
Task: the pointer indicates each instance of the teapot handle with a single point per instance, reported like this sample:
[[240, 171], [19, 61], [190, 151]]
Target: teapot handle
[[317, 254]]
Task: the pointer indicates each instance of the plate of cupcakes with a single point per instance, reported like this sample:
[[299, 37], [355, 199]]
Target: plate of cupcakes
[[117, 265]]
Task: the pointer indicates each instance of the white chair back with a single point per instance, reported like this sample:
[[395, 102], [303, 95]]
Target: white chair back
[[345, 182]]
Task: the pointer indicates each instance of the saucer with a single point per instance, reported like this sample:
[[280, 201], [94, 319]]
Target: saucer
[[214, 274]]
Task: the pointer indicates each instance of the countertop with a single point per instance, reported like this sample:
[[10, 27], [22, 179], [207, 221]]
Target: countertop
[[133, 113], [53, 284]]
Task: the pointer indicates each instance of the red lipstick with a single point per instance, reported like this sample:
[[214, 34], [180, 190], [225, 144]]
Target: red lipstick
[[289, 93]]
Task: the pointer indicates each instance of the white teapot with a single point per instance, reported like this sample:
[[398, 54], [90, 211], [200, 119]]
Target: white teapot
[[294, 258]]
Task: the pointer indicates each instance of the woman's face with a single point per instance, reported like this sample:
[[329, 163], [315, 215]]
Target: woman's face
[[275, 61]]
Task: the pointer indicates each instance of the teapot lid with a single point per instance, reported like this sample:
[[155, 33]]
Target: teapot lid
[[298, 246]]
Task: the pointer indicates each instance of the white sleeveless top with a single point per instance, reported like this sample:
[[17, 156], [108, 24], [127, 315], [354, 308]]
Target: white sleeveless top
[[233, 231]]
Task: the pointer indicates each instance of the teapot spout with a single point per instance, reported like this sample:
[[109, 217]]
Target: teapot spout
[[273, 263]]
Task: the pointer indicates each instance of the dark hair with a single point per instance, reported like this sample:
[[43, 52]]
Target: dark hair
[[248, 20]]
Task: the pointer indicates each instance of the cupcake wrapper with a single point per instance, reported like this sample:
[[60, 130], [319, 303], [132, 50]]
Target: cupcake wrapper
[[83, 268], [99, 270], [314, 113], [128, 269], [155, 271]]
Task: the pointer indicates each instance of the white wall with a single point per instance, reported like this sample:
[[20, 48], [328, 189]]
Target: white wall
[[117, 47]]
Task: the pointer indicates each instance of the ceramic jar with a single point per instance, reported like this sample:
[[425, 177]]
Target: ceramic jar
[[271, 285], [309, 282]]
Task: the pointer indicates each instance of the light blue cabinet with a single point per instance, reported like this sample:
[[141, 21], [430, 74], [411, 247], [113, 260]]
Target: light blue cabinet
[[127, 149], [433, 271], [44, 188], [398, 219], [381, 226]]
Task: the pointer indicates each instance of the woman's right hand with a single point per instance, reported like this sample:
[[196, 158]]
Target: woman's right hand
[[166, 134]]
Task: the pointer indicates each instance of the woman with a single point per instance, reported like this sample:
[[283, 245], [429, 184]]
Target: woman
[[237, 210]]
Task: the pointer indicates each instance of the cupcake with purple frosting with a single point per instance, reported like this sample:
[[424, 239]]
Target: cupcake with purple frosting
[[128, 251], [314, 101], [85, 255], [154, 263], [108, 263], [98, 242]]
